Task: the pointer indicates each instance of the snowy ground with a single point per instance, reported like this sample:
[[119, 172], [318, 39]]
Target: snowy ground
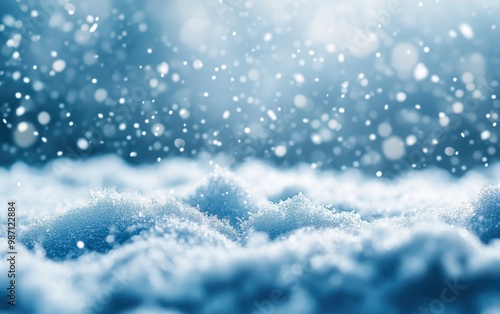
[[256, 239]]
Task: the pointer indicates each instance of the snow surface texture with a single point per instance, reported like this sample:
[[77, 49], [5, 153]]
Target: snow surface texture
[[255, 240]]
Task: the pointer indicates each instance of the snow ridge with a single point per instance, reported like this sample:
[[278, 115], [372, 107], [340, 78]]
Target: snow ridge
[[224, 248]]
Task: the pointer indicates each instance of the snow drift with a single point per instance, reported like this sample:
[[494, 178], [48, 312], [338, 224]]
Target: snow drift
[[221, 246]]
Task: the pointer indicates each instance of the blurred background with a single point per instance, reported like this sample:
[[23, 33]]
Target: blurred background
[[383, 86]]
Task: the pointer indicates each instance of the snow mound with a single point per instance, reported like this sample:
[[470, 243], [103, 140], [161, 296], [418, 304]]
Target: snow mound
[[111, 219], [229, 251], [298, 212], [223, 195], [485, 220]]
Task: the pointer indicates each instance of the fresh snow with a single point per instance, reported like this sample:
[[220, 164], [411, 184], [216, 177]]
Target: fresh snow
[[255, 239]]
